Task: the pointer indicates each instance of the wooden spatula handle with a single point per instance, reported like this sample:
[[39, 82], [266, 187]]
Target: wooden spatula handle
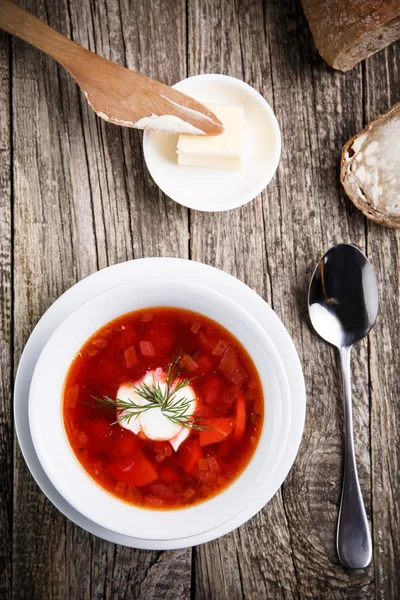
[[19, 22]]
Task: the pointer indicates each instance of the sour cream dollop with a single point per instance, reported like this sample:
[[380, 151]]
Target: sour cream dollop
[[153, 422]]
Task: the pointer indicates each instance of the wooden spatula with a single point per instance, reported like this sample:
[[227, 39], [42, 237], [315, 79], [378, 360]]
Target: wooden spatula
[[116, 94]]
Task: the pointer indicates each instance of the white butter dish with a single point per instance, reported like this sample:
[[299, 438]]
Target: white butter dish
[[218, 189]]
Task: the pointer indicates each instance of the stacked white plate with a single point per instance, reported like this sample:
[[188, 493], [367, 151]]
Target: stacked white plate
[[184, 271]]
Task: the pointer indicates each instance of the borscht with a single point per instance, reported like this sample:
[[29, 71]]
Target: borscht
[[163, 408]]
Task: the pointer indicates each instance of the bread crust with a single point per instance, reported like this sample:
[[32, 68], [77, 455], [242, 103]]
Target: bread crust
[[347, 31], [351, 187]]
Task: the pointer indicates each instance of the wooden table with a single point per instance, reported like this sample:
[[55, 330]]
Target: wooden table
[[75, 196]]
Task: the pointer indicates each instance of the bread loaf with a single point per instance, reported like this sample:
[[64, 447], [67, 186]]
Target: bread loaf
[[347, 31], [370, 169]]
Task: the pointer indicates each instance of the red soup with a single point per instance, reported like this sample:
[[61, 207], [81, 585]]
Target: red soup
[[163, 408]]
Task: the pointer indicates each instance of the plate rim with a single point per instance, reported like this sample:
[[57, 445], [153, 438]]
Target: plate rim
[[139, 269]]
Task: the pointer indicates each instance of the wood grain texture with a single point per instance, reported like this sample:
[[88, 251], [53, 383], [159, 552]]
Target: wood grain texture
[[75, 196], [6, 365], [81, 203], [381, 92]]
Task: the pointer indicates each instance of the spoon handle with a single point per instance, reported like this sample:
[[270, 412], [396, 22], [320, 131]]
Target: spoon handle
[[354, 545]]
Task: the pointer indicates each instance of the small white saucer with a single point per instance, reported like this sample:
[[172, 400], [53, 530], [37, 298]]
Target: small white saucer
[[138, 270], [218, 189]]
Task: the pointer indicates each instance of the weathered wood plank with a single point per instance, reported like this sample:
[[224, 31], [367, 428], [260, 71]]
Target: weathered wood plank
[[6, 427], [381, 92], [83, 201], [224, 41], [301, 216], [316, 108]]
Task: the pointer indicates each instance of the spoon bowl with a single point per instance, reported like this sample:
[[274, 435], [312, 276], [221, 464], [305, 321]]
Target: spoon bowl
[[343, 298], [343, 305]]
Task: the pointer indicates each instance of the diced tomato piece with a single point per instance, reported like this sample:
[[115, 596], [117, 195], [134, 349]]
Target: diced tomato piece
[[220, 428], [189, 454], [240, 418], [204, 364], [135, 469], [99, 429], [131, 358], [213, 389], [168, 474], [125, 442]]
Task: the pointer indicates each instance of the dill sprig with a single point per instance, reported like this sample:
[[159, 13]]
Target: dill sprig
[[173, 405]]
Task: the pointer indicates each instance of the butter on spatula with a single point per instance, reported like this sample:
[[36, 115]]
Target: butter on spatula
[[217, 152]]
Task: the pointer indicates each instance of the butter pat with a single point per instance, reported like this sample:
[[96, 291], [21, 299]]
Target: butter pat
[[218, 152]]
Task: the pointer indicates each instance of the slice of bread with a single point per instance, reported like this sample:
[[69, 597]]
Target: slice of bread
[[370, 169], [347, 31]]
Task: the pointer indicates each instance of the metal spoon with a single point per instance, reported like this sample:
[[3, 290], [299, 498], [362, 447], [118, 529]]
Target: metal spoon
[[343, 305]]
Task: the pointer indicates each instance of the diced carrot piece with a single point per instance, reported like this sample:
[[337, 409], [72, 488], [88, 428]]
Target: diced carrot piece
[[146, 348], [195, 327], [92, 352], [207, 477], [120, 488], [125, 442], [100, 343], [168, 474], [220, 428], [71, 396], [240, 418], [160, 490], [82, 438], [189, 493], [189, 453], [220, 348], [147, 317], [202, 464], [135, 469], [188, 363], [232, 367], [213, 464], [130, 357]]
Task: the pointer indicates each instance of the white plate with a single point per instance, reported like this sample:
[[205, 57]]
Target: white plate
[[135, 271], [64, 470], [218, 189]]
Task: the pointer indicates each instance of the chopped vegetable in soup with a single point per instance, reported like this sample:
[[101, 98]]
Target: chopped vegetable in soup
[[163, 408]]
